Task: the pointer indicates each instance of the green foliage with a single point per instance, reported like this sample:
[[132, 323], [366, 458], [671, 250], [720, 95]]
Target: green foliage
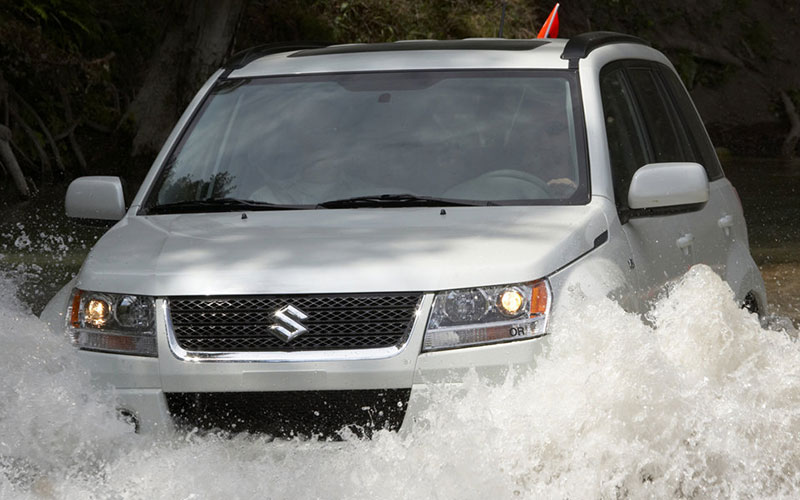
[[712, 75], [756, 35], [268, 21], [627, 16], [695, 70], [67, 22], [353, 21], [377, 20], [736, 5], [686, 65], [92, 53], [98, 51]]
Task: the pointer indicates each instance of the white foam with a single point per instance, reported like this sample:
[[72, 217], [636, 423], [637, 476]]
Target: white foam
[[697, 402]]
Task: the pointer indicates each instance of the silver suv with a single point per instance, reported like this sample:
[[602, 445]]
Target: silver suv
[[329, 229]]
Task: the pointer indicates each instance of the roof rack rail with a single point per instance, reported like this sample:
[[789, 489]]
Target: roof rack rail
[[407, 45], [578, 47], [244, 57]]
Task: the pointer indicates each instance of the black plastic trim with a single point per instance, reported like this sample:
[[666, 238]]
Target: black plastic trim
[[245, 57], [637, 213], [423, 45], [600, 240], [313, 414], [578, 47]]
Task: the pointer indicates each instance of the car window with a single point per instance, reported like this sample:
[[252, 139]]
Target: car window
[[626, 144], [504, 136], [668, 140], [699, 139]]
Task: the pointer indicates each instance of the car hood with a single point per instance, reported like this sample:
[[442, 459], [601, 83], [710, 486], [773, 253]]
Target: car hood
[[330, 251]]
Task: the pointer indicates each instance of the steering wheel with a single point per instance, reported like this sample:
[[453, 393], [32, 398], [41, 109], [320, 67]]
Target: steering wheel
[[533, 186]]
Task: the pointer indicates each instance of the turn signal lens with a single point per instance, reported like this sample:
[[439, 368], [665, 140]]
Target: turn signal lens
[[75, 310], [539, 296]]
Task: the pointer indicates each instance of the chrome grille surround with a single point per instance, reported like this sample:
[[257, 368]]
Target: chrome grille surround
[[341, 326]]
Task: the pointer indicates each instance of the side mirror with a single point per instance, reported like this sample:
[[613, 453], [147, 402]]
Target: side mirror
[[95, 198], [667, 188]]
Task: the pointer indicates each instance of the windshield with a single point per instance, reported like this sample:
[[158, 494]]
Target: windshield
[[492, 137]]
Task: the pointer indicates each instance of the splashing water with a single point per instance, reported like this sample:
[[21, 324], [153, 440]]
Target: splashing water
[[43, 252], [696, 402]]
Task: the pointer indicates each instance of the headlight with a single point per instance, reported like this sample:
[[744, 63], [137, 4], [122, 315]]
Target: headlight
[[475, 316], [112, 322]]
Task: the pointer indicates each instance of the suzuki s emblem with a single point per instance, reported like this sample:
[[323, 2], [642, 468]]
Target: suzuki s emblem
[[287, 323]]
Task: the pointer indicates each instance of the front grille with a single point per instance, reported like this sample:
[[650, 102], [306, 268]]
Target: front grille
[[335, 322], [295, 413]]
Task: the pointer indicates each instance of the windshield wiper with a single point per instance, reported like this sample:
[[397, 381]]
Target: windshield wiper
[[398, 200], [219, 205]]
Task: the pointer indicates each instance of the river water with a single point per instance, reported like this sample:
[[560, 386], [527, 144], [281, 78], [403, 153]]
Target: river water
[[699, 401]]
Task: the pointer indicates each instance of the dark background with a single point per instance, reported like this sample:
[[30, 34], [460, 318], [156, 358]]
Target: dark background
[[94, 87], [90, 87]]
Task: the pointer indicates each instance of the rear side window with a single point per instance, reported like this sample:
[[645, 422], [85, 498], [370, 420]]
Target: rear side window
[[697, 131], [667, 137]]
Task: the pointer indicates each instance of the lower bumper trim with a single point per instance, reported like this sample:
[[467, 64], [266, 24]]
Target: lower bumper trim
[[319, 414]]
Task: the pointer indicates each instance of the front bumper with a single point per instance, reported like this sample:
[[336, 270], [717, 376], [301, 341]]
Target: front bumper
[[142, 384]]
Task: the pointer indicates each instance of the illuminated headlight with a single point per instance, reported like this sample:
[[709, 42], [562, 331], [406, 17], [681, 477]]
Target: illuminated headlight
[[111, 322], [476, 316]]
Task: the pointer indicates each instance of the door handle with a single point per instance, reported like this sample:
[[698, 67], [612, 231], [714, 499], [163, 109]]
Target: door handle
[[726, 223], [685, 242]]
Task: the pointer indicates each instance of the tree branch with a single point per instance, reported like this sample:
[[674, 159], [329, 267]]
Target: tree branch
[[101, 60], [19, 153], [790, 142], [46, 131], [46, 169], [4, 95], [76, 148], [67, 132], [10, 162], [97, 126]]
